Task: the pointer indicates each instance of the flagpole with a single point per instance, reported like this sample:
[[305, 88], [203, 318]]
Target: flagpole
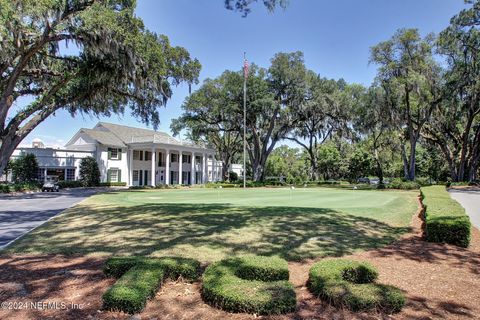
[[244, 122]]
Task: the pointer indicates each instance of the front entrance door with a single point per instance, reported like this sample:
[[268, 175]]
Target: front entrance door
[[136, 178], [145, 178]]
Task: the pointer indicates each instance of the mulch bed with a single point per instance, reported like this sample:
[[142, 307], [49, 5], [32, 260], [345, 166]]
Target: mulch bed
[[440, 282]]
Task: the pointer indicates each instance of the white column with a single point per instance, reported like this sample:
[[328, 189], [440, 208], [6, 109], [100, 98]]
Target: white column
[[154, 167], [214, 169], [167, 167], [192, 169], [180, 167], [65, 174], [130, 167], [204, 169], [45, 175]]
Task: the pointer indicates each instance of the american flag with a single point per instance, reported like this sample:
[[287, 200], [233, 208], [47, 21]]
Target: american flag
[[245, 68]]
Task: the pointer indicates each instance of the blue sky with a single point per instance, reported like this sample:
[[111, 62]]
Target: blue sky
[[335, 37]]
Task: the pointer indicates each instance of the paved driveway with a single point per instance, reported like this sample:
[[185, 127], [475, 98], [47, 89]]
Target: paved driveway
[[470, 200], [20, 214]]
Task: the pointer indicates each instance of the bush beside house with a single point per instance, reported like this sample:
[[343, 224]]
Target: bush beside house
[[89, 172]]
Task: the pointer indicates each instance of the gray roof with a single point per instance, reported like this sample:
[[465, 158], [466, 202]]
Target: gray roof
[[104, 137], [127, 135]]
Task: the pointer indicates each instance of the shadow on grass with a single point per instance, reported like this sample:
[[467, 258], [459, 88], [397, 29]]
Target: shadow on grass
[[208, 231]]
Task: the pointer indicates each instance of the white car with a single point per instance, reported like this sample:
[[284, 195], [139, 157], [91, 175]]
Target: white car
[[50, 186]]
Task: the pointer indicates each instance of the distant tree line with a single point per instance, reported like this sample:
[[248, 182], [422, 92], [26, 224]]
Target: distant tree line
[[420, 116]]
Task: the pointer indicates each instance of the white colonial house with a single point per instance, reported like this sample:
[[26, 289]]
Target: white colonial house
[[135, 156]]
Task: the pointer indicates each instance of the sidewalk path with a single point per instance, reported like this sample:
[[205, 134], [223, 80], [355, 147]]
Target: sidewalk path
[[469, 198]]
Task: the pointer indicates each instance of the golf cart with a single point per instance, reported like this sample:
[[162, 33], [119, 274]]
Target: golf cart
[[51, 184]]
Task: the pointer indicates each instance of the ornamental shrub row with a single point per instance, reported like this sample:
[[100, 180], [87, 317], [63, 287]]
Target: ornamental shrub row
[[174, 267], [251, 284], [403, 185], [70, 184], [445, 219], [139, 278], [131, 292], [19, 187], [112, 184], [351, 284]]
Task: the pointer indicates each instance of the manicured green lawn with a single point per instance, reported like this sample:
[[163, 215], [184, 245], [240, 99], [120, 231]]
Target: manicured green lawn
[[210, 224]]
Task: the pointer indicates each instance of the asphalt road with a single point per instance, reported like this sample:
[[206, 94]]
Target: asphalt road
[[470, 200], [20, 214]]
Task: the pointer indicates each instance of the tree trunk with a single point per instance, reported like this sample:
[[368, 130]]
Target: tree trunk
[[257, 173], [473, 170], [313, 165], [463, 153], [411, 168], [472, 174], [405, 161], [226, 164], [8, 143], [5, 154], [379, 168], [11, 137]]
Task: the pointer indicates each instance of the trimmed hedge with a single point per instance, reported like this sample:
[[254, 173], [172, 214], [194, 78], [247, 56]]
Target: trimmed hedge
[[113, 184], [19, 187], [445, 219], [262, 268], [70, 184], [251, 284], [403, 185], [140, 278], [221, 184], [131, 292], [4, 188], [346, 283]]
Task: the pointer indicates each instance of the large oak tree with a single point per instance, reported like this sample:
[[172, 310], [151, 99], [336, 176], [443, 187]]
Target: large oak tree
[[411, 79], [116, 64], [455, 126], [211, 117], [325, 111], [272, 95]]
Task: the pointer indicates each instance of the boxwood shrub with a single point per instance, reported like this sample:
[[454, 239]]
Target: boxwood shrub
[[403, 185], [351, 284], [70, 184], [445, 219], [112, 184], [4, 188], [139, 279], [251, 284], [130, 293]]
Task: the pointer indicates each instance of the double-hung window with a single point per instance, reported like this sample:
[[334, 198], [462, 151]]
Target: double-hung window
[[148, 156], [70, 174], [114, 153], [114, 175], [136, 154]]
